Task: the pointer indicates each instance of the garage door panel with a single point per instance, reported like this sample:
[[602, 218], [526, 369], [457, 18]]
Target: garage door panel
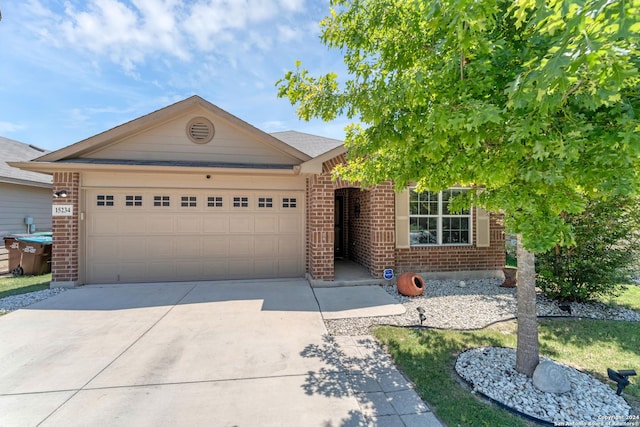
[[189, 269], [172, 242], [104, 272], [266, 224], [216, 223], [132, 248], [241, 246], [288, 247], [240, 268], [160, 224], [104, 249], [266, 267], [241, 224], [103, 224], [132, 224], [189, 224], [215, 246], [188, 247], [159, 247], [162, 271], [290, 224], [265, 246], [216, 269], [133, 271]]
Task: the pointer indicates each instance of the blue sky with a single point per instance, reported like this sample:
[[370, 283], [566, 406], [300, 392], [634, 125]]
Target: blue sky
[[70, 69]]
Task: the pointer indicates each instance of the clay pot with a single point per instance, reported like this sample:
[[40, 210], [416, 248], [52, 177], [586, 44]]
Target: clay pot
[[410, 284], [510, 277]]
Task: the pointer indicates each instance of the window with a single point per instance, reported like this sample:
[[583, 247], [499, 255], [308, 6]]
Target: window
[[133, 201], [103, 200], [432, 223], [160, 200], [265, 202], [240, 202], [188, 201], [288, 202], [214, 201]]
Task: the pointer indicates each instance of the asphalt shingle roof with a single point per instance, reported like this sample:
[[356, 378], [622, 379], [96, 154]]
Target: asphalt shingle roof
[[311, 145], [14, 151]]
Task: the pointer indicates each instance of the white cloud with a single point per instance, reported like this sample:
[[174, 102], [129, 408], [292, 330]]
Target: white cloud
[[8, 127], [287, 33], [128, 32]]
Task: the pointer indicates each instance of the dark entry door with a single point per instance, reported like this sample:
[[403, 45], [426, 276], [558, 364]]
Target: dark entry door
[[338, 228]]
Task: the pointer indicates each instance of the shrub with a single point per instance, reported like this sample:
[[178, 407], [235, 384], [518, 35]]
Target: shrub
[[603, 258]]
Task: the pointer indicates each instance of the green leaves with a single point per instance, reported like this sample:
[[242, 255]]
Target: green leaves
[[537, 102]]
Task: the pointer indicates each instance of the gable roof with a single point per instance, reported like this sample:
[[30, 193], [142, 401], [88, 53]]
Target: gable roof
[[11, 151], [312, 145], [157, 117]]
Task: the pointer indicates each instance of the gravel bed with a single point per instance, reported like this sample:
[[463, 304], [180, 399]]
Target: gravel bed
[[491, 371], [464, 305], [15, 302]]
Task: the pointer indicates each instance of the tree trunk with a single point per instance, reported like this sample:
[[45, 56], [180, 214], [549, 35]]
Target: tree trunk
[[528, 351]]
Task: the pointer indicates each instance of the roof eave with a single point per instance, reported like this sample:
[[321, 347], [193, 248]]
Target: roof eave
[[52, 167], [314, 166], [25, 182]]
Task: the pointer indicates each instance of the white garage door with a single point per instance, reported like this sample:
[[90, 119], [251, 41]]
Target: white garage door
[[174, 235]]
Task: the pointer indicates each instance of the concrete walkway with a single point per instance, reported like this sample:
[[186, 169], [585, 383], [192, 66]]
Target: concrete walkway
[[210, 354]]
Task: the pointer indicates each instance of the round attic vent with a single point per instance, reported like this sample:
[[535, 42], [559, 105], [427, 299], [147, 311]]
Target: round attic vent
[[200, 130]]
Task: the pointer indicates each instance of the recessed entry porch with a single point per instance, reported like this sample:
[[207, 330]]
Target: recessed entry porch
[[353, 233]]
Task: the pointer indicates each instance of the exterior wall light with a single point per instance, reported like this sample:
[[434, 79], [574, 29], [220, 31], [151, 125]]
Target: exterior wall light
[[61, 193]]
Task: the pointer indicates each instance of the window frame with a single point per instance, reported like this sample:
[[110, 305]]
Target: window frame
[[439, 216]]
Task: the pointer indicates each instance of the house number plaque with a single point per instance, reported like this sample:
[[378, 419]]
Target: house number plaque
[[62, 210]]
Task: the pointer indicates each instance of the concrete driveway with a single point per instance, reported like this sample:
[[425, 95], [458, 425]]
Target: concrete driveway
[[214, 354]]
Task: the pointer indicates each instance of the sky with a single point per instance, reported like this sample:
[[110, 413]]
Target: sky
[[70, 69]]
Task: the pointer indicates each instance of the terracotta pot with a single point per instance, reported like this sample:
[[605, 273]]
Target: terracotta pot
[[510, 277], [410, 284]]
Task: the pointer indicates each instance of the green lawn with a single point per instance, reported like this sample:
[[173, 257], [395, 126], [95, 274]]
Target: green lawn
[[428, 356], [629, 298], [23, 284]]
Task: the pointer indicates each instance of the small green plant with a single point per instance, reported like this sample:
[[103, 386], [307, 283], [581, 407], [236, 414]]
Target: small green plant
[[604, 256]]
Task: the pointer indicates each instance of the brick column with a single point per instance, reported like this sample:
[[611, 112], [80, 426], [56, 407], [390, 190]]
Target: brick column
[[320, 206], [382, 228], [64, 257]]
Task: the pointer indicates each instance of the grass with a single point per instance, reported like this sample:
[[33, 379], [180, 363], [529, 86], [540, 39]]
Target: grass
[[428, 356], [23, 284], [630, 298]]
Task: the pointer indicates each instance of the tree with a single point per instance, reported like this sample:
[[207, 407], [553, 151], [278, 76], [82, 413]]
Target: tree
[[604, 257], [534, 102]]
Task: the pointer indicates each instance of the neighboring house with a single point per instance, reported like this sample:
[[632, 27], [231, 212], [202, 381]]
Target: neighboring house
[[191, 192], [22, 194]]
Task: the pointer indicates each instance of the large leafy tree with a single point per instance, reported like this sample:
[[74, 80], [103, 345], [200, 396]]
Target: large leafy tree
[[534, 102]]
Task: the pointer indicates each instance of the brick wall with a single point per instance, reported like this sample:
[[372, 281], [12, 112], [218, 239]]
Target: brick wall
[[383, 229], [455, 258], [370, 236], [64, 257], [359, 227], [320, 202]]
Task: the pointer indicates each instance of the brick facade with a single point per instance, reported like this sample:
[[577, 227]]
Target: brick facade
[[369, 233], [455, 258], [64, 257]]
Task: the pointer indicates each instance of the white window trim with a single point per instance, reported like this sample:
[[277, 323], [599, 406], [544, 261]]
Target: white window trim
[[439, 222]]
